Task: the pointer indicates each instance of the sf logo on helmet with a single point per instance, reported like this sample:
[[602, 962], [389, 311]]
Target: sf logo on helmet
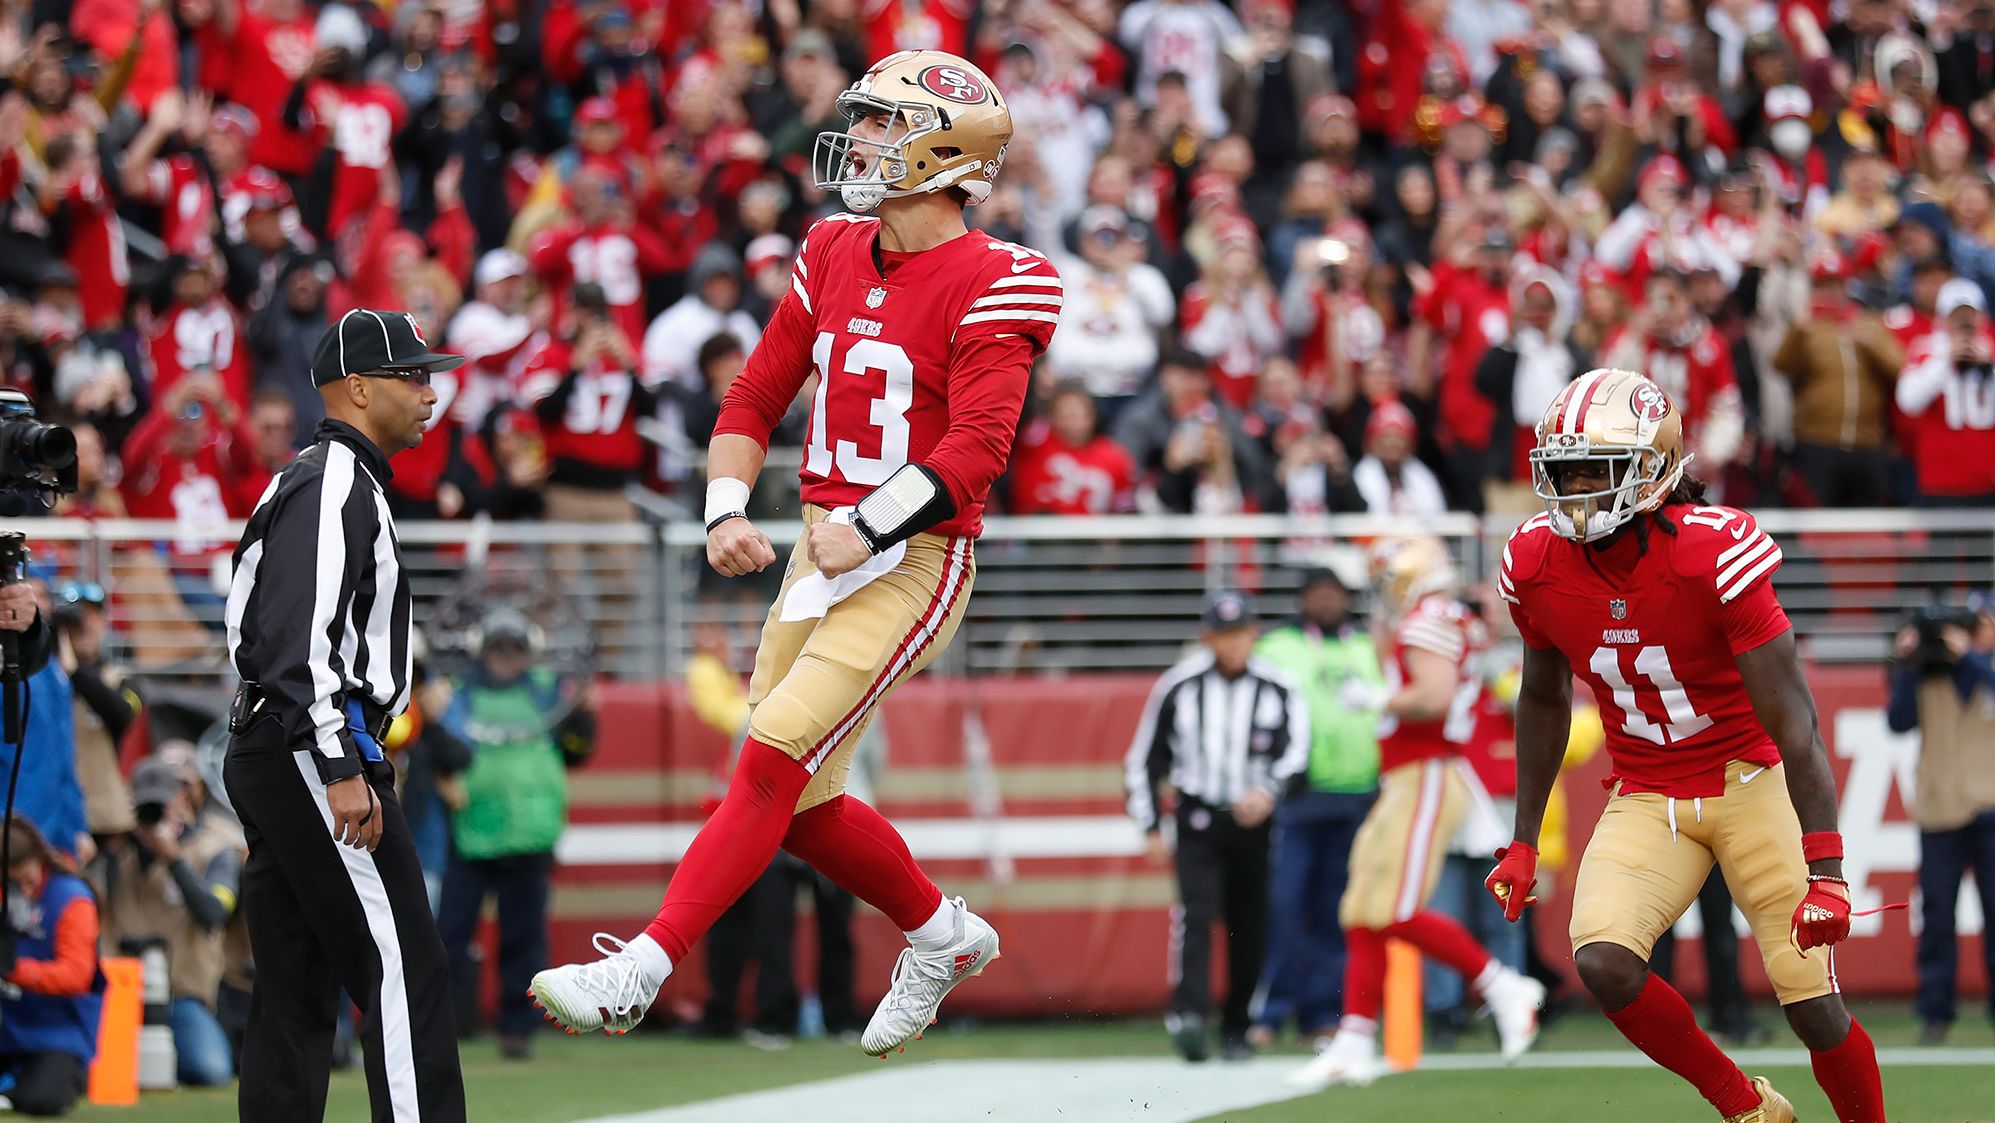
[[1649, 402], [952, 83]]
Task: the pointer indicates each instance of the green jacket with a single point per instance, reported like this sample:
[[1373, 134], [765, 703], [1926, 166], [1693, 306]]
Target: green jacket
[[1343, 750], [516, 791]]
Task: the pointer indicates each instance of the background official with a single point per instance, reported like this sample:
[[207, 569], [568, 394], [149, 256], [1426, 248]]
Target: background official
[[318, 619]]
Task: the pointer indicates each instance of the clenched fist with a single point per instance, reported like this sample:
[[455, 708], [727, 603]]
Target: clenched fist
[[735, 548], [835, 548]]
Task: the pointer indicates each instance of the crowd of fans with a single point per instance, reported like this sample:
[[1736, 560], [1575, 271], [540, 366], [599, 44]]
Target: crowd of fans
[[1319, 257]]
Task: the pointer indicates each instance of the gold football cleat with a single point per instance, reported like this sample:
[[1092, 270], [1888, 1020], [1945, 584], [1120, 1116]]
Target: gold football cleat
[[1772, 1107]]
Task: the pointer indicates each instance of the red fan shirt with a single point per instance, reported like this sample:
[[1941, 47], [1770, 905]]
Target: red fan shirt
[[207, 337], [360, 122], [617, 259], [1051, 477], [593, 441]]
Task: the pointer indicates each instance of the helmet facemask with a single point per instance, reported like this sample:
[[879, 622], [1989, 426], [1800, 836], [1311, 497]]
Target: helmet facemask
[[1636, 479], [838, 157]]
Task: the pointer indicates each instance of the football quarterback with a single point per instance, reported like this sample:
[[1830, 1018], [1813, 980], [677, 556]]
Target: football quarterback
[[922, 333], [1664, 607], [1427, 712]]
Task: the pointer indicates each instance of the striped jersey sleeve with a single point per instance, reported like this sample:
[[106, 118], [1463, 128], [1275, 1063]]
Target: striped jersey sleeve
[[1436, 626], [1021, 295], [1746, 562], [1724, 555]]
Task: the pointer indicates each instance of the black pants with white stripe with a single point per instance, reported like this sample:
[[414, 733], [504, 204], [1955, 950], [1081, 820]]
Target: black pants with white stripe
[[1222, 876], [322, 917]]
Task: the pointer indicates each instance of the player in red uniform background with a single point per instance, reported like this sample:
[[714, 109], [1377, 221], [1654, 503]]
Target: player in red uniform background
[[1427, 713], [1666, 610], [922, 333]]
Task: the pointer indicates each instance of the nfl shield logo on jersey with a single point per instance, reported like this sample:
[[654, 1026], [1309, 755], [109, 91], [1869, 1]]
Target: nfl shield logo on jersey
[[1617, 608], [876, 297]]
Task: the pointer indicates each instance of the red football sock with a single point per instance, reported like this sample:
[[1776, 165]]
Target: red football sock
[[855, 846], [1660, 1023], [1364, 973], [1442, 937], [1848, 1073], [733, 849]]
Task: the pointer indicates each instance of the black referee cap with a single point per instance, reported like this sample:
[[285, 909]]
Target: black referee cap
[[1226, 609], [365, 340]]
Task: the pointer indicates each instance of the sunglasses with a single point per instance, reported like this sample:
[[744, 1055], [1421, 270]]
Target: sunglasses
[[417, 376]]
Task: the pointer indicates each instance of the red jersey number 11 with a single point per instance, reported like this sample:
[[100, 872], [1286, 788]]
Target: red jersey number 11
[[887, 386], [1654, 678]]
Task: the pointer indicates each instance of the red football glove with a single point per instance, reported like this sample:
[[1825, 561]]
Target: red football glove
[[1516, 874], [1823, 916]]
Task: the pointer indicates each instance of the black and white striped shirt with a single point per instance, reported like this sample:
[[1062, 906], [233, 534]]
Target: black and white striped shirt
[[318, 611], [1216, 738]]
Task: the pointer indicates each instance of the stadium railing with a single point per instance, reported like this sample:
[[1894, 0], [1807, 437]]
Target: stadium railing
[[1052, 594]]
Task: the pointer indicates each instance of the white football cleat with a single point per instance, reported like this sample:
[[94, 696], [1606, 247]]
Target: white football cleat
[[610, 994], [1514, 1001], [1350, 1058], [923, 979]]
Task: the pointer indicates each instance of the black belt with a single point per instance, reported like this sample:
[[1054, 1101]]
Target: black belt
[[253, 703]]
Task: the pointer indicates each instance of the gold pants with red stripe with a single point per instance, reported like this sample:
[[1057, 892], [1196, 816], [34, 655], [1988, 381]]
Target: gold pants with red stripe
[[1396, 858], [1650, 854], [817, 682]]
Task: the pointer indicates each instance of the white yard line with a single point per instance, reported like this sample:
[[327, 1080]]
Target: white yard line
[[1159, 1090]]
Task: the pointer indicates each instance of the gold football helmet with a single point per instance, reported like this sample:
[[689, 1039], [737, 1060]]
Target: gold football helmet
[[1408, 568], [946, 126], [1609, 448]]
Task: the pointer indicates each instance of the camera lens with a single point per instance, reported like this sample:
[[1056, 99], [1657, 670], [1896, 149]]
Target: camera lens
[[31, 442], [149, 814]]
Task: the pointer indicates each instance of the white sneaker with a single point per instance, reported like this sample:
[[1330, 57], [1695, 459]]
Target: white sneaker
[[923, 979], [1514, 1001], [610, 994], [1350, 1058]]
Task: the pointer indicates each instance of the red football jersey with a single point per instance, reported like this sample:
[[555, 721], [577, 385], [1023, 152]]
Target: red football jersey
[[1950, 415], [1051, 478], [190, 339], [1655, 634], [927, 364], [360, 121], [1444, 626], [595, 436]]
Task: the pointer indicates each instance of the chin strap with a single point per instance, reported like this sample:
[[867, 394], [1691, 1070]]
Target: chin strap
[[912, 500]]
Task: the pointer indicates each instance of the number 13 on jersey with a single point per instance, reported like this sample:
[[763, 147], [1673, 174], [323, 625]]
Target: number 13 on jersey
[[871, 373]]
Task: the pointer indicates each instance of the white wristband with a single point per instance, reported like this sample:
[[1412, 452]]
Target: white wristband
[[725, 496]]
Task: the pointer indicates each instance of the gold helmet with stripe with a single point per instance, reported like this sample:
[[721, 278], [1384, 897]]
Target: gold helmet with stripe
[[946, 126], [1407, 568], [1609, 448]]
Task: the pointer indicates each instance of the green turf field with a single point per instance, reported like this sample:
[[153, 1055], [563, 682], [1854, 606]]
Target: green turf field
[[573, 1079]]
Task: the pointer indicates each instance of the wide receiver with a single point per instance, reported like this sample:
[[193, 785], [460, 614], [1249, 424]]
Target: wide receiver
[[1427, 712], [1666, 609], [922, 334]]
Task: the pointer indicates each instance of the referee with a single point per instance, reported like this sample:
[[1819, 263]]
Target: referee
[[1228, 731], [318, 620]]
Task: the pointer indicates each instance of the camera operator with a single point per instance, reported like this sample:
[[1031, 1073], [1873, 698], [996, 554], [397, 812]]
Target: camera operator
[[1943, 684], [20, 613], [104, 707], [174, 879], [48, 956]]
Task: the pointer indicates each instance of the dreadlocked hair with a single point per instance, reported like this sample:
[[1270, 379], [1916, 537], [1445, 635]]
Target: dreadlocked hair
[[1688, 489]]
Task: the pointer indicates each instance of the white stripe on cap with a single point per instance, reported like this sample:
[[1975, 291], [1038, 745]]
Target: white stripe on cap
[[340, 330], [386, 341]]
